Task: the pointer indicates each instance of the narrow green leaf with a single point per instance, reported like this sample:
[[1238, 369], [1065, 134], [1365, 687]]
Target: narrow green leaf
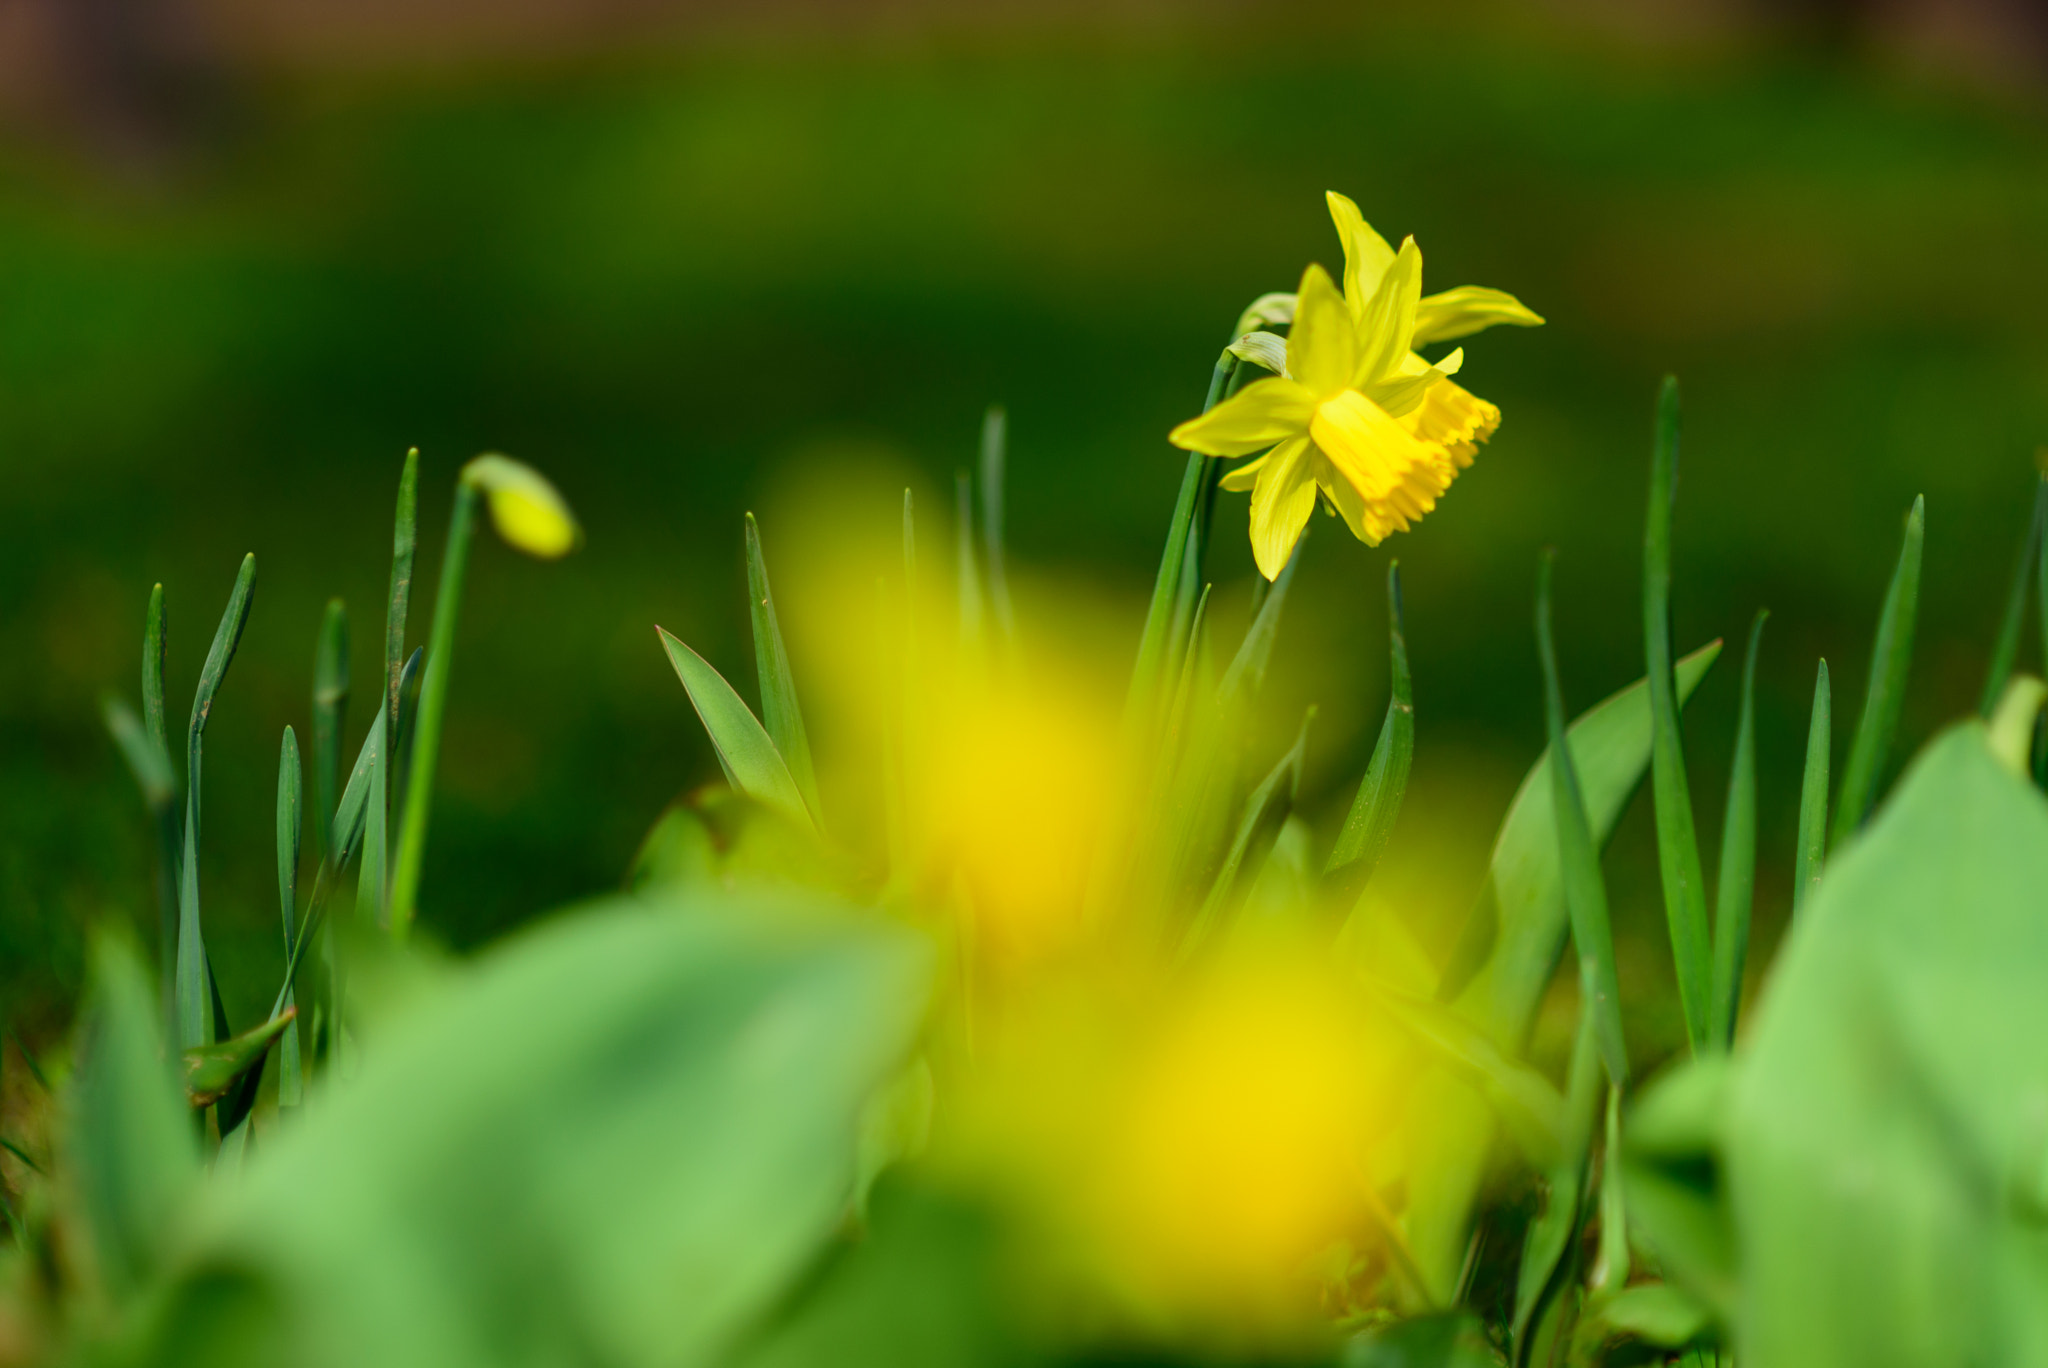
[[330, 715], [966, 577], [1611, 1263], [290, 785], [1890, 661], [745, 751], [191, 988], [1259, 826], [210, 1070], [1370, 823], [129, 1140], [418, 804], [1678, 850], [1188, 678], [2010, 733], [1585, 891], [1246, 675], [146, 760], [155, 636], [405, 540], [1529, 1107], [995, 434], [1813, 794], [2006, 652], [378, 858], [1148, 676], [779, 711], [351, 813], [1734, 894], [409, 679], [1544, 1268]]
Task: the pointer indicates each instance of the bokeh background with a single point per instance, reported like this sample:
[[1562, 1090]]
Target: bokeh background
[[692, 259]]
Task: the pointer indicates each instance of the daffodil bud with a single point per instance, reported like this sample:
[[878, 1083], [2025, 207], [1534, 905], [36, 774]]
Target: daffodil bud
[[529, 513]]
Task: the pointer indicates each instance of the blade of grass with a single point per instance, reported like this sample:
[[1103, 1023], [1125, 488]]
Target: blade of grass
[[1678, 850], [156, 728], [1813, 794], [408, 719], [1735, 891], [330, 715], [2006, 652], [1611, 1264], [290, 784], [1891, 660], [749, 757], [1578, 858], [192, 992], [155, 637], [1147, 676], [1370, 822], [780, 713], [995, 432], [383, 798], [1544, 1268]]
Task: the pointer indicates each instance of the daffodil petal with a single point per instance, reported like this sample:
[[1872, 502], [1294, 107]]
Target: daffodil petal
[[1366, 254], [1467, 310], [1396, 475], [1281, 502], [1389, 321], [1253, 419], [1404, 393], [1262, 349], [1244, 477], [1454, 419], [1322, 347]]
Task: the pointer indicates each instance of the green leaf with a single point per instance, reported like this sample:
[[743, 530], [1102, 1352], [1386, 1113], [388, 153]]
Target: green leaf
[[1678, 850], [1245, 678], [1529, 1107], [2010, 731], [1257, 828], [1544, 1268], [1655, 1313], [191, 981], [1578, 856], [779, 711], [1671, 1169], [1611, 1263], [749, 758], [1450, 1339], [409, 679], [995, 443], [1734, 893], [1370, 823], [146, 760], [405, 540], [1891, 659], [129, 1140], [2006, 652], [330, 715], [621, 1137], [155, 636], [352, 812], [1813, 795], [211, 1070], [290, 784]]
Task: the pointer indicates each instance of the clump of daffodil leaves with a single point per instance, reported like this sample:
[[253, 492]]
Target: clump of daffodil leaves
[[1353, 412]]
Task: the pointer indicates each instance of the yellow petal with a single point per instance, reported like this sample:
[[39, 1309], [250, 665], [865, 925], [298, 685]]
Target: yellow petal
[[527, 511], [1396, 476], [1322, 348], [1403, 393], [1454, 419], [1251, 420], [1366, 253], [1389, 319], [1285, 496], [1244, 477], [1467, 310]]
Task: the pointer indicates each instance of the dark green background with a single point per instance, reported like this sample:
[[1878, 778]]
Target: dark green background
[[669, 279]]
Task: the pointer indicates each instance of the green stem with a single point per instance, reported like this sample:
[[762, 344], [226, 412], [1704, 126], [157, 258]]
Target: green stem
[[412, 835]]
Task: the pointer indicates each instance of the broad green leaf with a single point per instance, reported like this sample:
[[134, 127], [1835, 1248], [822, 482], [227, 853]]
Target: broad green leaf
[[1578, 855], [1450, 1339], [1734, 893], [995, 446], [1530, 1108], [678, 849], [1678, 849], [330, 715], [780, 714], [290, 785], [1671, 1172], [746, 754], [1813, 795], [2005, 653], [1886, 1135], [128, 1135], [192, 974], [1655, 1313], [1370, 823], [211, 1070], [1891, 659], [621, 1137]]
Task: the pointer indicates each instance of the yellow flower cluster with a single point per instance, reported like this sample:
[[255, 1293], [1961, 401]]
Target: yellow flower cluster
[[1355, 413]]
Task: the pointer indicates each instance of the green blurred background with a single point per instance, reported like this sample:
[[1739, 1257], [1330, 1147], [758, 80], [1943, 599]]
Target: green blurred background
[[685, 260]]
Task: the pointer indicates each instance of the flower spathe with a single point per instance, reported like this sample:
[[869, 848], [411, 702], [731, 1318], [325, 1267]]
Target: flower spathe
[[1355, 414]]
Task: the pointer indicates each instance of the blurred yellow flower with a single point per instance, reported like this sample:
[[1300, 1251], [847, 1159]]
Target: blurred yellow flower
[[527, 511], [1355, 412]]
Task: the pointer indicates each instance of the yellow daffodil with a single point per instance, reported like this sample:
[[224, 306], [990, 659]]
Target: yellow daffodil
[[1354, 412]]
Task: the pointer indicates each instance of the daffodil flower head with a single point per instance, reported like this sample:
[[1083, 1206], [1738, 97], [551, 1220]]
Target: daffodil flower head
[[1354, 413], [528, 512]]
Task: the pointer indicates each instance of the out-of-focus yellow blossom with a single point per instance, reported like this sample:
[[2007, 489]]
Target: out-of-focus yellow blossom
[[1355, 412], [527, 511]]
